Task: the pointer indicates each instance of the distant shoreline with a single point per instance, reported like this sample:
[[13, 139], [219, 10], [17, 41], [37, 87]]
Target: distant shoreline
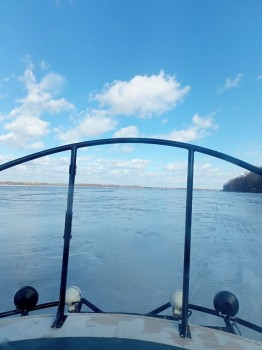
[[47, 184], [22, 183]]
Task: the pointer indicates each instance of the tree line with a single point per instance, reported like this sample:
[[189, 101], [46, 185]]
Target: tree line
[[249, 182]]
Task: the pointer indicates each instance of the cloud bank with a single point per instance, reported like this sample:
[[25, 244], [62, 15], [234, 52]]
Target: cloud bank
[[142, 97], [28, 124]]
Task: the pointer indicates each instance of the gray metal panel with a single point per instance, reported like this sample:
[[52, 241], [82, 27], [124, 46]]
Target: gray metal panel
[[106, 331]]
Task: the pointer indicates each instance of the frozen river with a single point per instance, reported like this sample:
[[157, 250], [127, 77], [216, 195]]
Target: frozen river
[[127, 247]]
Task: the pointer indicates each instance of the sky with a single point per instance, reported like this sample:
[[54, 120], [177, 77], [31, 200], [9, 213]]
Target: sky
[[77, 70]]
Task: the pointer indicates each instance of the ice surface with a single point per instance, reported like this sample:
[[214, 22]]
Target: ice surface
[[127, 247]]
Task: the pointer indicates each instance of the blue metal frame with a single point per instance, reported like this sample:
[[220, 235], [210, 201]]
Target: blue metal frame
[[184, 329], [60, 317]]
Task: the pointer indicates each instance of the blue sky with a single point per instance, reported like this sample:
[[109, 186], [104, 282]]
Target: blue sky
[[75, 70]]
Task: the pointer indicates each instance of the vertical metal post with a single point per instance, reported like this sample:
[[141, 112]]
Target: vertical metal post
[[184, 329], [60, 316]]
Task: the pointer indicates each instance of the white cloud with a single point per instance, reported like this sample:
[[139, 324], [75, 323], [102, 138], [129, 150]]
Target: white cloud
[[205, 166], [22, 129], [143, 96], [5, 158], [131, 164], [26, 125], [206, 174], [51, 169], [164, 121], [126, 148], [40, 96], [118, 171], [4, 82], [59, 3], [129, 131], [94, 123], [37, 145], [231, 83], [200, 128], [52, 83], [176, 166], [44, 65]]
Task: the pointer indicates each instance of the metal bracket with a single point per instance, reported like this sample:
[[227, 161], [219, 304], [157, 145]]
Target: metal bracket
[[58, 323], [186, 333]]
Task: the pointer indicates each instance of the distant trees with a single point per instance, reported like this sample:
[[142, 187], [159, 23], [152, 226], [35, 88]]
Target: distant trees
[[250, 182]]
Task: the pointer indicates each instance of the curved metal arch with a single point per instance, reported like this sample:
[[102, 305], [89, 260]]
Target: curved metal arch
[[152, 141], [184, 329]]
